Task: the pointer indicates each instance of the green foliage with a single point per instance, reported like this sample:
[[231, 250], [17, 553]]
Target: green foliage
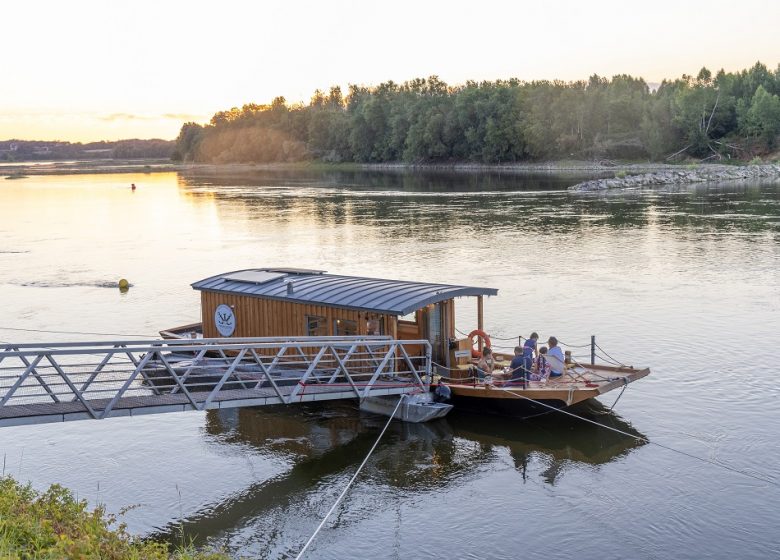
[[762, 117], [52, 525], [426, 120]]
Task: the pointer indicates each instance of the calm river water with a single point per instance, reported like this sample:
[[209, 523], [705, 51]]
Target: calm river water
[[684, 281]]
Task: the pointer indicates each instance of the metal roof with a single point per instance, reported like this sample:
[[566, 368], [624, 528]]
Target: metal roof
[[395, 297]]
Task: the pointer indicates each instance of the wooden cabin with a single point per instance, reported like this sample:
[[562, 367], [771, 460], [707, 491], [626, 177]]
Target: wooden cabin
[[299, 302]]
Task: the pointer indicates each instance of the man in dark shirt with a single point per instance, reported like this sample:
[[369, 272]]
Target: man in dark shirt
[[516, 366]]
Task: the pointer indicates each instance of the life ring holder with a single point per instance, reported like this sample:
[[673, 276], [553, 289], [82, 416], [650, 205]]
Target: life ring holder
[[481, 334]]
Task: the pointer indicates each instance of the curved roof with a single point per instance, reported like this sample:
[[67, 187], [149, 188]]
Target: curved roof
[[395, 297]]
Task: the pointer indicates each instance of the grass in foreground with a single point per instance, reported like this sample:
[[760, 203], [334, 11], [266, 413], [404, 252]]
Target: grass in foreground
[[54, 525]]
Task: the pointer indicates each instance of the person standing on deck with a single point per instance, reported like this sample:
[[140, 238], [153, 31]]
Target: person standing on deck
[[555, 357], [529, 350]]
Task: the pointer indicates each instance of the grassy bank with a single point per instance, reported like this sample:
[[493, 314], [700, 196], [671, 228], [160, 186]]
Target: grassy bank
[[54, 525]]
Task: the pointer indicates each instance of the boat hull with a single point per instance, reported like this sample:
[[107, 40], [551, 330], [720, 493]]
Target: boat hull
[[516, 408], [579, 385]]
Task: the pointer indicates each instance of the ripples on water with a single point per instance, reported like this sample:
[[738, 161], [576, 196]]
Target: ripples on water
[[684, 280]]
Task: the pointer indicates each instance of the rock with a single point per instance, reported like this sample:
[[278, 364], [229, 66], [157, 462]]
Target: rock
[[703, 174]]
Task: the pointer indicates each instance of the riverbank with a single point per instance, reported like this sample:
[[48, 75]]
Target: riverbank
[[19, 170], [556, 167], [53, 524], [626, 172], [709, 173]]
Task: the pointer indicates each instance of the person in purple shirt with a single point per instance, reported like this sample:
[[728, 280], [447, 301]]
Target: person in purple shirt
[[529, 350]]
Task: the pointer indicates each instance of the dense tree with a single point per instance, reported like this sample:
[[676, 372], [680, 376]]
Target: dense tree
[[426, 120], [762, 118]]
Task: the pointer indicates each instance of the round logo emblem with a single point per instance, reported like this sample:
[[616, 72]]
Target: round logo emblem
[[225, 320]]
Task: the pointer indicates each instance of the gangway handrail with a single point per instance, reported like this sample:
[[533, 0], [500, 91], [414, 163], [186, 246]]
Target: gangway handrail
[[44, 382], [91, 347], [190, 341]]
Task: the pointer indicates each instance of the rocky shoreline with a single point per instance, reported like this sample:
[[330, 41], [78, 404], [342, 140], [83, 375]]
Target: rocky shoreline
[[707, 173], [628, 175]]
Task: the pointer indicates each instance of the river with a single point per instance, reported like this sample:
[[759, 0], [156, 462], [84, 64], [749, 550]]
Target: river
[[683, 280]]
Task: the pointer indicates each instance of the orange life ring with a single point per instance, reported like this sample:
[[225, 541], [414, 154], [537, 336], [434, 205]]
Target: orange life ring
[[481, 334]]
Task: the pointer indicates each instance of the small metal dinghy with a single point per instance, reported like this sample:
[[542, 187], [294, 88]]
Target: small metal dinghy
[[419, 407]]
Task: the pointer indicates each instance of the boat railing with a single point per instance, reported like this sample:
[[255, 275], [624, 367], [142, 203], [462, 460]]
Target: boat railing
[[72, 380]]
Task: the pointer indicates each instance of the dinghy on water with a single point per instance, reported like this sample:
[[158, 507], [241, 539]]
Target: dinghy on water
[[420, 407]]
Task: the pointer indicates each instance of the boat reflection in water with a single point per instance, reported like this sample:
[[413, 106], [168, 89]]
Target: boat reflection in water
[[557, 439], [323, 444]]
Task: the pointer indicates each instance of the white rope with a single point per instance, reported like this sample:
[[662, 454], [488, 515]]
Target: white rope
[[343, 493], [74, 332], [762, 478]]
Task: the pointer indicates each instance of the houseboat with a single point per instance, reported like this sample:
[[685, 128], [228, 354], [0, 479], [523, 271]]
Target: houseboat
[[278, 302]]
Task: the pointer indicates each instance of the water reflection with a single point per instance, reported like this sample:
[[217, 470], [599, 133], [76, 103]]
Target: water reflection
[[559, 441], [662, 277], [324, 443], [441, 181], [423, 203]]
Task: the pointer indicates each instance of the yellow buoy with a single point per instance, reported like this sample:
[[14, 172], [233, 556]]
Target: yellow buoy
[[124, 285]]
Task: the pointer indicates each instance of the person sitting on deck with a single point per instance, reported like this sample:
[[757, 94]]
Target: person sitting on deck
[[486, 363], [529, 349], [517, 366], [555, 358], [541, 366]]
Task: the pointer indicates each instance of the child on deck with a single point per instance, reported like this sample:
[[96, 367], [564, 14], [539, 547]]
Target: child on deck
[[542, 366]]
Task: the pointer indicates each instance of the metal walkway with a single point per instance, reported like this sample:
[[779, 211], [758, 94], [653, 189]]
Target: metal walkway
[[56, 382]]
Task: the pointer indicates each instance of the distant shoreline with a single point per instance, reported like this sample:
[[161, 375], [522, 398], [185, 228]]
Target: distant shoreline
[[25, 169]]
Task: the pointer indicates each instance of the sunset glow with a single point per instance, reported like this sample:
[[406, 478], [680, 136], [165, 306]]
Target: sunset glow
[[88, 70]]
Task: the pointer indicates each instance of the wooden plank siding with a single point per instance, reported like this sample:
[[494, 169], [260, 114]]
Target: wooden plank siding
[[268, 317], [258, 317]]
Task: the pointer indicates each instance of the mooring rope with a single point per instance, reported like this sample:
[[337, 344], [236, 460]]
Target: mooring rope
[[75, 332], [352, 480], [766, 479]]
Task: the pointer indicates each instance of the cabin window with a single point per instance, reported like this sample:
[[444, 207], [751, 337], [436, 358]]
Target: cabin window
[[409, 317], [375, 324], [343, 327], [316, 326]]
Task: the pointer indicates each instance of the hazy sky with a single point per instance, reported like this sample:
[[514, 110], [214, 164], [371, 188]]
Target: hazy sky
[[90, 70]]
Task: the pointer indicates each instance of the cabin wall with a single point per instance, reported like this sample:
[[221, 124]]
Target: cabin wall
[[267, 317], [262, 317]]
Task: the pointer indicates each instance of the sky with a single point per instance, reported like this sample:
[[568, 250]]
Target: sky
[[87, 70]]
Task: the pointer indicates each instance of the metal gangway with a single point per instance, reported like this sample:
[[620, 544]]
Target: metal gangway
[[56, 382]]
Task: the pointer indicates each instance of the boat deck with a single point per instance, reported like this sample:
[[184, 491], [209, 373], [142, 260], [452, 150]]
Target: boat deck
[[579, 383]]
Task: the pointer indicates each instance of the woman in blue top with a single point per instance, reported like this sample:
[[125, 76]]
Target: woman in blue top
[[529, 350]]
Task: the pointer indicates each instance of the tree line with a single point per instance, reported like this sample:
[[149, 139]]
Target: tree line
[[721, 116], [31, 150]]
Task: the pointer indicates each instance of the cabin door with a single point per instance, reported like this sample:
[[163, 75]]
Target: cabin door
[[433, 330]]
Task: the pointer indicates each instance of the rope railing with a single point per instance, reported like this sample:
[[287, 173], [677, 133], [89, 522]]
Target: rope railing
[[604, 356]]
